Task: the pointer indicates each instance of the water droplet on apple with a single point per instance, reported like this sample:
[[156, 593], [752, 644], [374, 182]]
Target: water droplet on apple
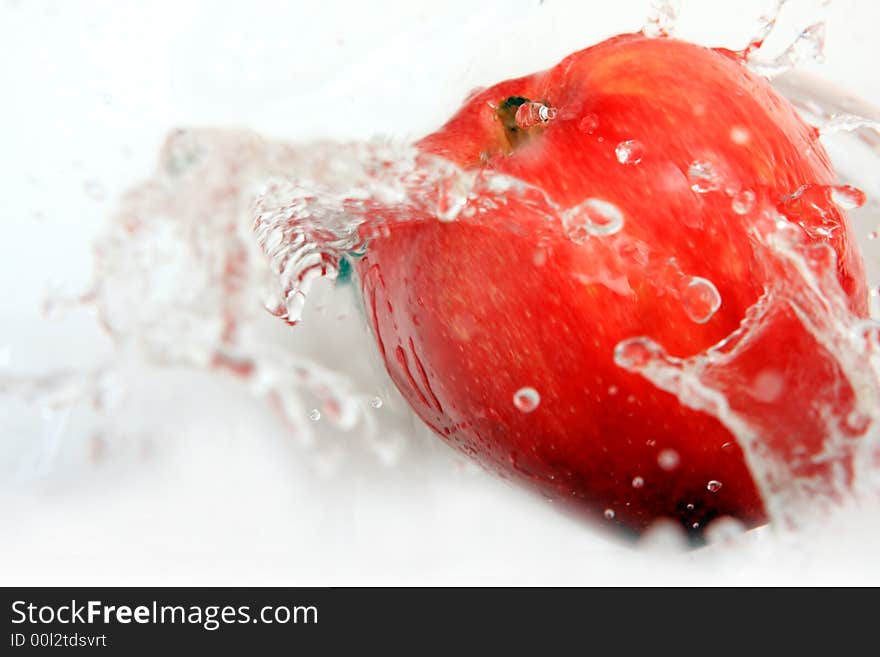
[[593, 217], [740, 135], [638, 482], [629, 152], [588, 123], [743, 201], [528, 115], [314, 415], [668, 459], [526, 399], [690, 507], [703, 177], [637, 353], [700, 298], [609, 514], [713, 486], [847, 197]]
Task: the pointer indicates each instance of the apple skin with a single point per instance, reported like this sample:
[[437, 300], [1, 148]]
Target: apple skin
[[467, 313]]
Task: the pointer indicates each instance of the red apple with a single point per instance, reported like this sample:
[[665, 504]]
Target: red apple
[[503, 341]]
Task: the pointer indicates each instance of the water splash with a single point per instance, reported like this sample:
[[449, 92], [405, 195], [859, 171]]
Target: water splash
[[832, 457], [807, 46], [662, 18], [179, 277]]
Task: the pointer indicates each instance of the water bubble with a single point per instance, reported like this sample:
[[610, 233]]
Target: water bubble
[[702, 177], [637, 353], [690, 507], [743, 201], [847, 197], [593, 217], [668, 459], [629, 152], [713, 486], [314, 415], [526, 399], [588, 123], [528, 115], [609, 514], [701, 299], [376, 402], [638, 482]]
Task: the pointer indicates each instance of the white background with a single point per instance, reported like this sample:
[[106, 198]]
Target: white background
[[222, 496]]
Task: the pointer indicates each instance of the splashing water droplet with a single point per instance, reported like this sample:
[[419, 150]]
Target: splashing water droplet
[[702, 177], [637, 353], [314, 415], [638, 482], [528, 115], [526, 399], [661, 20], [847, 197], [609, 514], [700, 298], [376, 402], [808, 46], [593, 217], [668, 459], [713, 486], [743, 201], [629, 152]]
